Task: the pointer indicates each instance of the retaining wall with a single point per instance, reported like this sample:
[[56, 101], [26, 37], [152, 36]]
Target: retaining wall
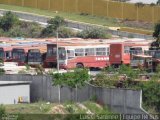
[[119, 100]]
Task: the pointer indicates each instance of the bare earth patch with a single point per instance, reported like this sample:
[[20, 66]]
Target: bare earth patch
[[58, 109]]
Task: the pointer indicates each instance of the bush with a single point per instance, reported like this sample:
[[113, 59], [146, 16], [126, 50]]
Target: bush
[[94, 33], [53, 26], [151, 93], [2, 111], [24, 29], [105, 80], [16, 32], [8, 21], [31, 29], [66, 32], [2, 71], [48, 32]]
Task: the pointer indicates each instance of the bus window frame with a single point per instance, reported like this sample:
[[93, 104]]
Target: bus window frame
[[71, 56]]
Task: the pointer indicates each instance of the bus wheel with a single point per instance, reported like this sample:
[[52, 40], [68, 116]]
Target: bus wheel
[[79, 65]]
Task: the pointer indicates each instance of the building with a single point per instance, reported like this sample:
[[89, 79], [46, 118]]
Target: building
[[14, 92]]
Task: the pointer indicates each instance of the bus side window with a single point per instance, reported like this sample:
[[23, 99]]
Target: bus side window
[[79, 52], [70, 54]]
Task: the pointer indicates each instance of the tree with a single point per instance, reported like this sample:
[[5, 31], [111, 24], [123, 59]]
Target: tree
[[53, 25], [73, 79], [56, 22], [8, 21], [158, 2], [156, 35], [151, 93]]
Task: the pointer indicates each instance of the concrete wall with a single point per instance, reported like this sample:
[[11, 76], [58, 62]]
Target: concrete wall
[[9, 94], [77, 25], [119, 100]]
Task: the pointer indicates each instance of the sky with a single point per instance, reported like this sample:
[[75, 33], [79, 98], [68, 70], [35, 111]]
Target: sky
[[144, 1]]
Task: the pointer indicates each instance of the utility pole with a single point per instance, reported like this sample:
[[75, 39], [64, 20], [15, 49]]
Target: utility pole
[[57, 52], [59, 87]]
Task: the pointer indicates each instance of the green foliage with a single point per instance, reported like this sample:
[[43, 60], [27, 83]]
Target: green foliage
[[93, 98], [27, 67], [95, 33], [158, 2], [73, 79], [158, 69], [16, 32], [110, 69], [39, 70], [151, 93], [2, 111], [48, 31], [104, 80], [156, 32], [125, 70], [56, 22], [66, 32], [23, 29], [1, 61], [129, 71], [53, 26], [8, 21], [96, 108], [2, 71], [30, 29], [123, 77]]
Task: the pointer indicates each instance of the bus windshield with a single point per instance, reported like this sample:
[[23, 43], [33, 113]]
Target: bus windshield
[[62, 53], [1, 53], [51, 51], [34, 57], [19, 54]]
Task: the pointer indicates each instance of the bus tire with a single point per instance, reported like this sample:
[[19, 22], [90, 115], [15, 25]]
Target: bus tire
[[79, 65]]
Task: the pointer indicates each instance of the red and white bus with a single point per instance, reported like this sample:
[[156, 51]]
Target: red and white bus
[[82, 55]]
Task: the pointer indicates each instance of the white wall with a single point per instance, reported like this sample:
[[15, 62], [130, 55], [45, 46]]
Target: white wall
[[10, 94]]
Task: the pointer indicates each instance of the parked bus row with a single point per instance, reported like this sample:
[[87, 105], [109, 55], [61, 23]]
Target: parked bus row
[[81, 54]]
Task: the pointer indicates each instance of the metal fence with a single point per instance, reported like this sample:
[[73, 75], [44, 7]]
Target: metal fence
[[112, 9]]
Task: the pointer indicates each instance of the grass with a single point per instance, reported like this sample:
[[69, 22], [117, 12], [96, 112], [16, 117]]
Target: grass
[[35, 108], [95, 108], [42, 111], [44, 108], [70, 16]]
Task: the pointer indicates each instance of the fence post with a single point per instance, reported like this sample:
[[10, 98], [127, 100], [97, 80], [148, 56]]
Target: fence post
[[92, 7], [76, 6], [22, 3], [49, 4], [36, 3], [107, 8], [63, 5], [122, 5], [137, 12], [153, 14]]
